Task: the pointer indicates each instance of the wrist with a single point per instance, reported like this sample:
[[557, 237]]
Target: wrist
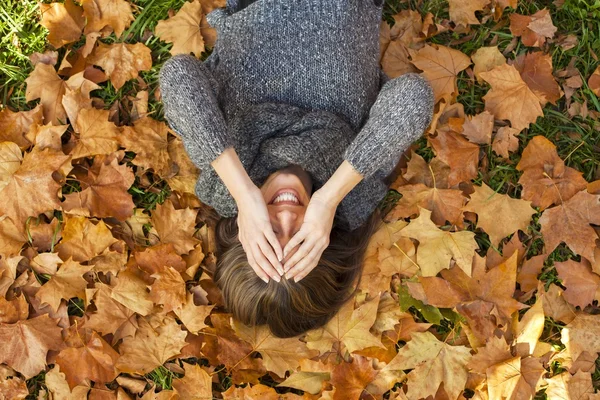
[[345, 178], [233, 174]]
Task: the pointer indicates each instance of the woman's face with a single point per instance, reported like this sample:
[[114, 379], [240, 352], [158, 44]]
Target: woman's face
[[286, 213]]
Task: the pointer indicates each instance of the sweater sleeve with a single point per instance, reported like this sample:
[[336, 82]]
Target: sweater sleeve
[[190, 99], [401, 113]]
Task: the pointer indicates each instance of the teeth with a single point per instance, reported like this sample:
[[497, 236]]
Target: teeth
[[286, 197]]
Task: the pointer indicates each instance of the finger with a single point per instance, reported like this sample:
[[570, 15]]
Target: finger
[[267, 251], [294, 241], [256, 268], [304, 266], [264, 263], [306, 248], [274, 242]]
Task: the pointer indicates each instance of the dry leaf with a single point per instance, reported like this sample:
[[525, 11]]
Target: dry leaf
[[64, 21], [183, 30], [114, 14], [121, 61]]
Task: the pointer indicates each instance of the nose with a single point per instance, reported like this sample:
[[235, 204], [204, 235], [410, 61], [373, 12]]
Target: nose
[[285, 226]]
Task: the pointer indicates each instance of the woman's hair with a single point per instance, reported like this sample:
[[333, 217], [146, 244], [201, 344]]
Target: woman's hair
[[290, 308]]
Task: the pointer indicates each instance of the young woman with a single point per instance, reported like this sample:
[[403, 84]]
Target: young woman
[[295, 129]]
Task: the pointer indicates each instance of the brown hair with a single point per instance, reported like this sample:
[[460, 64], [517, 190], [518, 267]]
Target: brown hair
[[290, 308]]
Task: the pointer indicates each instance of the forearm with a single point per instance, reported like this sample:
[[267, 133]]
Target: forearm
[[233, 174], [343, 180]]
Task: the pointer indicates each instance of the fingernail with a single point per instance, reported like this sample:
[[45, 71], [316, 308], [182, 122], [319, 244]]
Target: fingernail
[[277, 278], [266, 280]]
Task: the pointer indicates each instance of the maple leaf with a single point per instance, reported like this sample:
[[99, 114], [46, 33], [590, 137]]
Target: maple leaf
[[255, 392], [187, 172], [114, 14], [279, 355], [26, 343], [57, 385], [82, 240], [488, 205], [175, 226], [594, 82], [570, 223], [510, 97], [437, 247], [168, 289], [533, 29], [506, 141], [148, 139], [66, 283], [536, 70], [10, 161], [94, 360], [349, 326], [463, 12], [97, 135], [546, 180], [14, 125], [64, 22], [583, 286], [485, 59], [32, 184], [495, 286], [311, 382], [44, 84], [567, 386], [434, 174], [151, 347], [196, 383], [111, 316], [183, 30], [440, 65], [121, 61], [104, 191], [77, 96], [350, 379], [515, 376], [478, 128], [555, 305], [397, 39], [130, 291], [47, 136], [433, 363], [193, 316], [461, 155]]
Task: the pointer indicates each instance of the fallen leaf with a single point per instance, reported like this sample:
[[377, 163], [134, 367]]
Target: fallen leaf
[[462, 12], [175, 226], [196, 383], [461, 155], [97, 134], [437, 247], [533, 29], [44, 84], [510, 98], [571, 387], [594, 82], [506, 141], [82, 240], [478, 128], [488, 205], [66, 283], [168, 289], [440, 65], [583, 286], [536, 70], [14, 125], [64, 21], [350, 379], [485, 59], [193, 316], [114, 14], [148, 139], [121, 61], [183, 30]]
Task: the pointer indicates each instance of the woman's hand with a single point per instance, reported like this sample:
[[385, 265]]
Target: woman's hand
[[315, 231], [257, 237]]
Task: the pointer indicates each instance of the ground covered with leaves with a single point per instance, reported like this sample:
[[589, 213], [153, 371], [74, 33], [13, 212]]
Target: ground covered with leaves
[[483, 282]]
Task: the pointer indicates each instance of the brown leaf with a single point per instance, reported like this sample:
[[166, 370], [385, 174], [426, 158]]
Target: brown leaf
[[582, 284], [546, 180], [193, 316], [104, 191], [196, 384], [26, 343], [434, 174], [582, 334], [111, 14], [510, 97], [82, 240], [513, 377], [256, 392], [396, 40], [279, 355], [111, 316], [350, 379], [44, 84], [121, 61], [478, 128], [148, 139], [441, 65], [461, 155], [175, 226], [168, 289], [534, 29], [536, 70], [187, 172], [47, 136], [437, 247], [485, 59], [488, 205], [506, 141], [594, 82], [94, 360], [58, 387], [151, 347], [10, 161], [433, 363], [130, 291], [66, 283], [555, 305], [64, 22], [97, 135], [14, 125], [349, 326], [183, 30], [462, 12], [570, 223], [567, 386], [32, 184]]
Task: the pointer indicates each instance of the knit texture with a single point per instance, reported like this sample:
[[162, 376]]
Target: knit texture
[[296, 82]]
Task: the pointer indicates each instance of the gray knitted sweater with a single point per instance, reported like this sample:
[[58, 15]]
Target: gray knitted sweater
[[296, 82]]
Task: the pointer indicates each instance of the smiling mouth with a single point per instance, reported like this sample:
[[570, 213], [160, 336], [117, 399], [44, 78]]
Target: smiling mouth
[[286, 197]]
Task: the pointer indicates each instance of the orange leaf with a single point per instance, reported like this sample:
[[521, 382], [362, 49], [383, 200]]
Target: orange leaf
[[64, 21], [121, 61], [111, 14], [44, 84]]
